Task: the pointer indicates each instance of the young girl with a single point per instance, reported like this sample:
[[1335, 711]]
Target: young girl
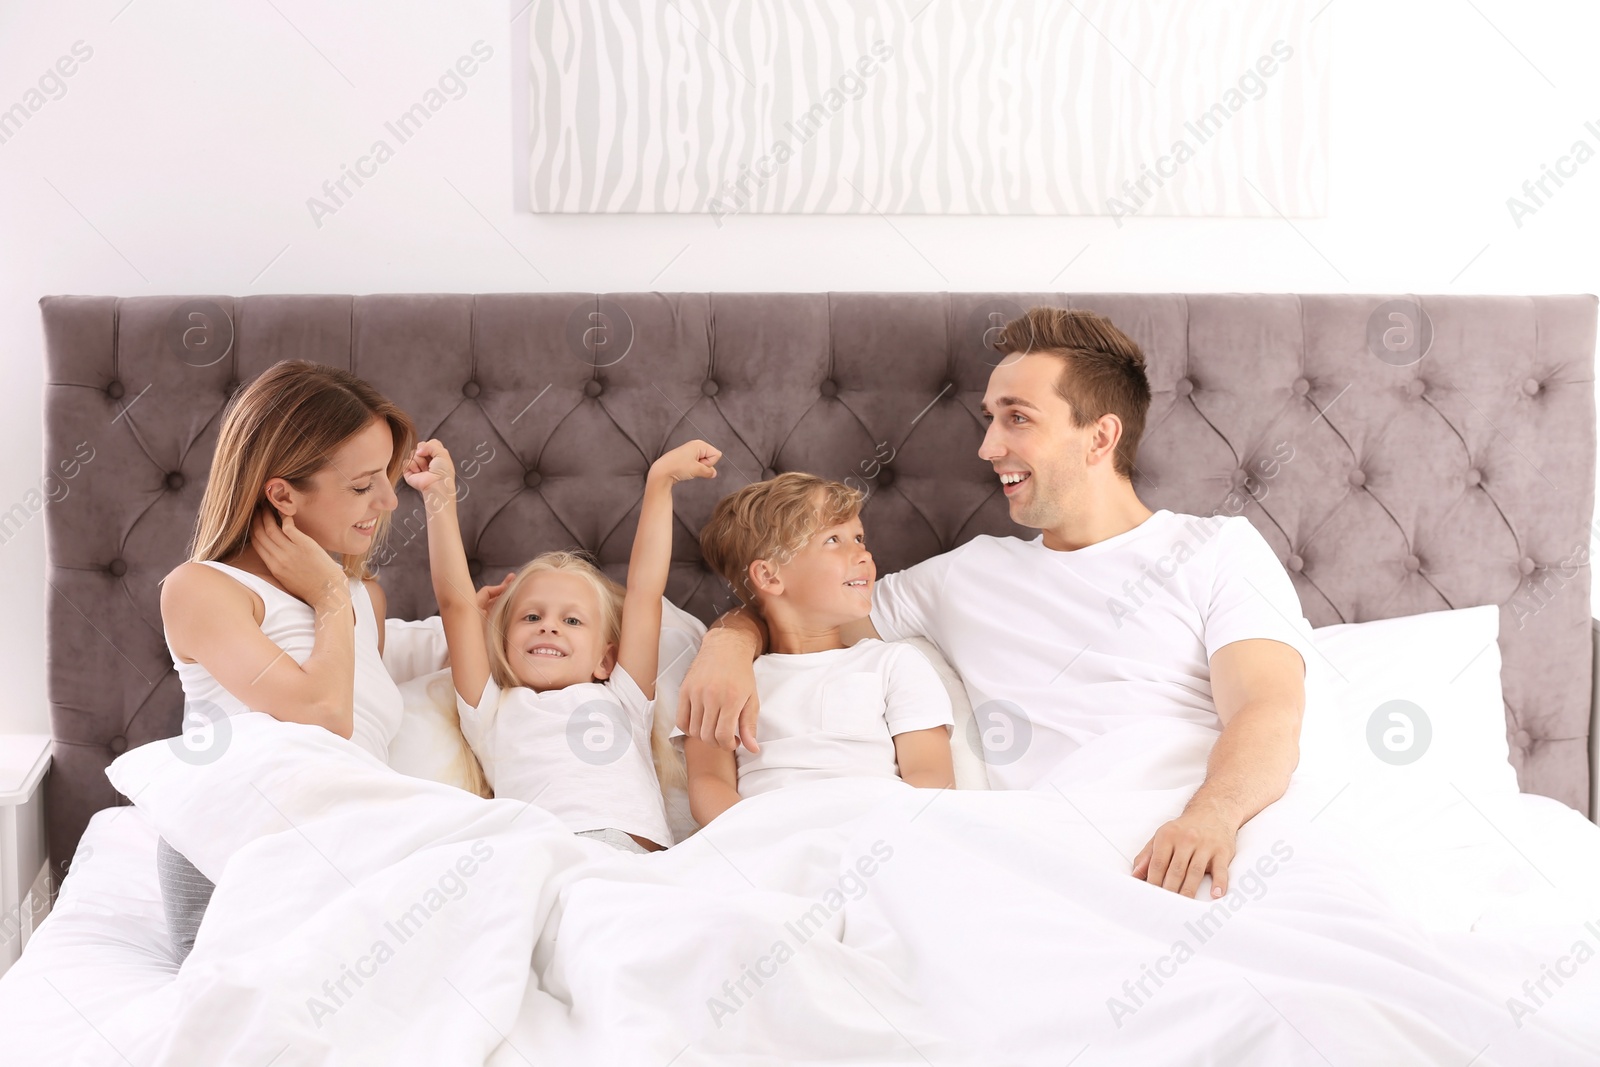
[[556, 686]]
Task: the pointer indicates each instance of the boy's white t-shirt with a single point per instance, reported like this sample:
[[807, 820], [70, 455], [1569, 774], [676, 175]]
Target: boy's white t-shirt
[[835, 714], [581, 753], [1056, 648]]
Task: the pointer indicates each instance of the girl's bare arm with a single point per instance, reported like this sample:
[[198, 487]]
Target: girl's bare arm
[[431, 473], [640, 644]]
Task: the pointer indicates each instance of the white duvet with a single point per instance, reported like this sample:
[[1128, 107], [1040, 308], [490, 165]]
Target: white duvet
[[364, 917]]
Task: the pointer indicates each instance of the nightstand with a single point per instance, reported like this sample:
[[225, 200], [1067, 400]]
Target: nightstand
[[24, 862]]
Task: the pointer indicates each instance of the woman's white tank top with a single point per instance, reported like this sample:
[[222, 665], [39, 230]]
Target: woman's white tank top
[[290, 623]]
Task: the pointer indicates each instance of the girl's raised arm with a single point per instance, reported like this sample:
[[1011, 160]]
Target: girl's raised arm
[[431, 473], [640, 646]]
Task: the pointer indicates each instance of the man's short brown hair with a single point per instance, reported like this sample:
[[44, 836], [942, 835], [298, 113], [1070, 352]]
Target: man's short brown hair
[[772, 520], [1104, 372]]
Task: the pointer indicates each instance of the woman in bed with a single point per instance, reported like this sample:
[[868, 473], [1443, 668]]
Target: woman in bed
[[275, 612]]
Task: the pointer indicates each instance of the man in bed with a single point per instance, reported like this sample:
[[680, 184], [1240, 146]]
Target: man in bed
[[1113, 616]]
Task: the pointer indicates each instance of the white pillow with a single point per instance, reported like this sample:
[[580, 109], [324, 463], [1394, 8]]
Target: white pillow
[[1408, 703], [429, 744], [413, 648]]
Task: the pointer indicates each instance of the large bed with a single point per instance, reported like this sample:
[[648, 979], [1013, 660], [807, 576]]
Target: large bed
[[1460, 476]]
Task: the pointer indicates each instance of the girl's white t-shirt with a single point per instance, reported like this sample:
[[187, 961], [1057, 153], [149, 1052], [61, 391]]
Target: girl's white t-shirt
[[581, 753], [1056, 648], [835, 714]]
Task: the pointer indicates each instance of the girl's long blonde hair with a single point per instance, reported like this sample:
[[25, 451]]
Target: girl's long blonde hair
[[286, 424], [669, 767]]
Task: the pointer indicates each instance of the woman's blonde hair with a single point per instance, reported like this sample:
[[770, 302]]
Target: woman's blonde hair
[[286, 424], [669, 765]]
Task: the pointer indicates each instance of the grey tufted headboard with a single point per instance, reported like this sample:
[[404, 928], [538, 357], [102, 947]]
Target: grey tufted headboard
[[1466, 478]]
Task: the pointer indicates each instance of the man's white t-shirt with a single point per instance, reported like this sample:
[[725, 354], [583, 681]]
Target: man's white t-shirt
[[835, 714], [581, 753], [1056, 648]]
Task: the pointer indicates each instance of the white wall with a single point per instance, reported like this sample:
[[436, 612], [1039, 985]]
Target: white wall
[[181, 156]]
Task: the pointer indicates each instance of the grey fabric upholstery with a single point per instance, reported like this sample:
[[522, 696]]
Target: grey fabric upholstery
[[1465, 479], [617, 839], [185, 892]]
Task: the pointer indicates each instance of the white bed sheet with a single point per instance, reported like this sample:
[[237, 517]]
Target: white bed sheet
[[1457, 860], [1453, 864], [105, 942]]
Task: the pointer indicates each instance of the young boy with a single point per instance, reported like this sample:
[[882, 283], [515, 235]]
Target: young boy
[[793, 549]]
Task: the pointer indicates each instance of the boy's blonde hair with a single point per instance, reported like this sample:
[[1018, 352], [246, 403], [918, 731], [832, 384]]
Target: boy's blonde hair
[[772, 520], [669, 765]]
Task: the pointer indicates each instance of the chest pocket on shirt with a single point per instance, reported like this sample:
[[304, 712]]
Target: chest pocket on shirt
[[852, 705]]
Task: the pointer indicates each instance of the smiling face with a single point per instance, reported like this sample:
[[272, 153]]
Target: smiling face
[[555, 634], [340, 507], [827, 583], [1039, 455]]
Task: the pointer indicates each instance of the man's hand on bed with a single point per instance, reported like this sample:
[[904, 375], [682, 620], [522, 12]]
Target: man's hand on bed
[[1183, 850], [1260, 694]]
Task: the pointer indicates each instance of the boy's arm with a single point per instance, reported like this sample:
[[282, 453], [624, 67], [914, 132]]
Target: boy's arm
[[713, 779], [918, 712], [924, 758], [452, 581]]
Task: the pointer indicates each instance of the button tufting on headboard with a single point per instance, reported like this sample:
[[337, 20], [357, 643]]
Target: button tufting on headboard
[[1342, 460]]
